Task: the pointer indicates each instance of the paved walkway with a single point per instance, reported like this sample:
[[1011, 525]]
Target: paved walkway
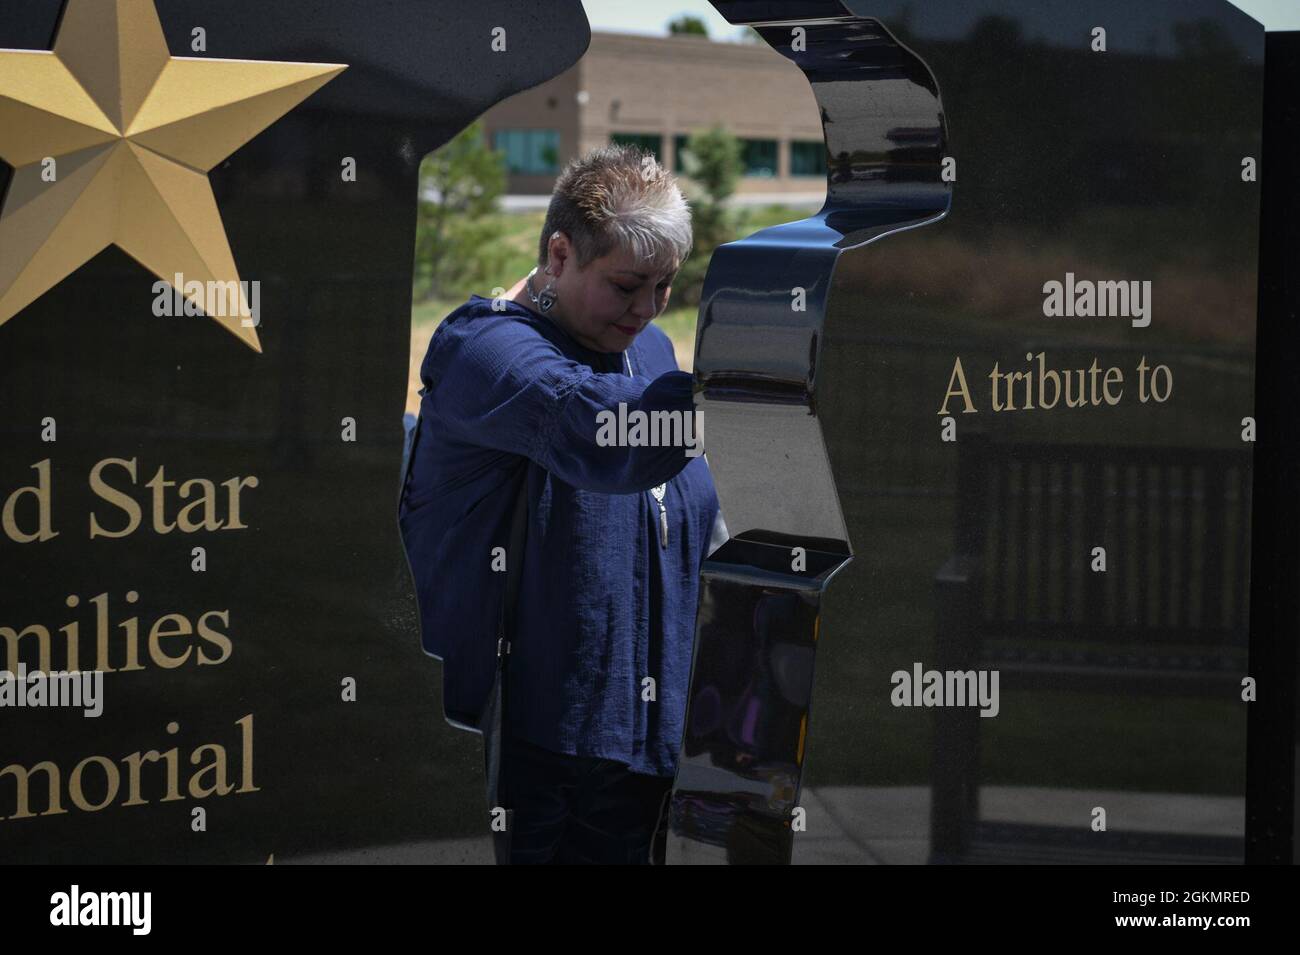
[[888, 825]]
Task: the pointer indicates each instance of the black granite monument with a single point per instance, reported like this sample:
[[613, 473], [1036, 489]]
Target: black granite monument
[[982, 429]]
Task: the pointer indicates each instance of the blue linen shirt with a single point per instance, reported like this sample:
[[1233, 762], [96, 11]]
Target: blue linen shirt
[[602, 605]]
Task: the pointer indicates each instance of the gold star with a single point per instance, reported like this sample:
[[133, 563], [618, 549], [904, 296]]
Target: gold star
[[133, 131]]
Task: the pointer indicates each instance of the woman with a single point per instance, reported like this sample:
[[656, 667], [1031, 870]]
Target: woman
[[514, 390]]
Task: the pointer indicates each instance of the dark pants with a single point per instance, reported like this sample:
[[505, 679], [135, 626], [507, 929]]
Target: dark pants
[[581, 809]]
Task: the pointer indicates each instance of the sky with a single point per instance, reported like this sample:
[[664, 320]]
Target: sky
[[652, 16], [1274, 14]]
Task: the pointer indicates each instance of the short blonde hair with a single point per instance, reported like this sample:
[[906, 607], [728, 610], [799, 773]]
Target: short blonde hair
[[619, 196]]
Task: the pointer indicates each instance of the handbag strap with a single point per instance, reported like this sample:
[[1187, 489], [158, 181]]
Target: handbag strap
[[494, 721], [514, 566]]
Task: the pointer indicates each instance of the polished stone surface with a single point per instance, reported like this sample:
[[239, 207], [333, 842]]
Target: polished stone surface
[[827, 429], [315, 591]]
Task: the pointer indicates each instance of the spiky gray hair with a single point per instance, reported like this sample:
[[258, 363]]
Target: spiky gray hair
[[618, 196]]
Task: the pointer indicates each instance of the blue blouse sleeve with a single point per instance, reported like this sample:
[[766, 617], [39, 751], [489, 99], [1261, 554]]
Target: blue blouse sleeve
[[496, 382]]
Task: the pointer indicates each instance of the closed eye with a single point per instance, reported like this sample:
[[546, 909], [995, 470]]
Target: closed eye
[[628, 291]]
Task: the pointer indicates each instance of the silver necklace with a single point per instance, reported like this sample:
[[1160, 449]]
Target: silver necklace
[[545, 300], [658, 492]]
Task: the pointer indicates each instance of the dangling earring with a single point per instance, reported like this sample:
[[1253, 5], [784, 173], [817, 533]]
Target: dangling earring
[[545, 299]]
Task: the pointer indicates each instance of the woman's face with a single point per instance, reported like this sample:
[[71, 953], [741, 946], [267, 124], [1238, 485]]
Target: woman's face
[[605, 305]]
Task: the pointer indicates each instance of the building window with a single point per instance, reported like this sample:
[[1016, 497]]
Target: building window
[[759, 156], [679, 150], [531, 152], [652, 143], [807, 158]]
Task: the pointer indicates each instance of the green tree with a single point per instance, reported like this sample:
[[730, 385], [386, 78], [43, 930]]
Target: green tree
[[712, 162], [457, 245], [688, 24]]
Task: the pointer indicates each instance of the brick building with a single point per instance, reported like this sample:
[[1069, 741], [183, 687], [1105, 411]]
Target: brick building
[[655, 91]]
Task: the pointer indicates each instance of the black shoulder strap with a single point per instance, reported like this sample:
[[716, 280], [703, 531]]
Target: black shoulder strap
[[493, 722], [514, 564]]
